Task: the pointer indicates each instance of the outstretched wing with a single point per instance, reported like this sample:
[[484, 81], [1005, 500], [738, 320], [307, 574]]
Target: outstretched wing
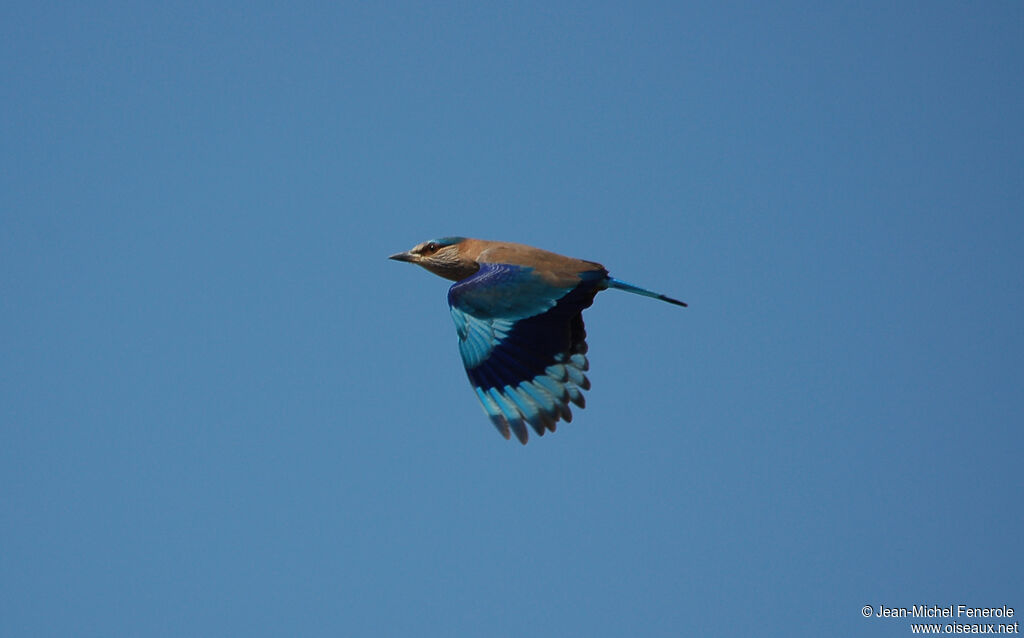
[[523, 343]]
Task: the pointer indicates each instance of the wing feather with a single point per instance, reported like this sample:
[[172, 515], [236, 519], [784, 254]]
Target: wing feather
[[522, 341]]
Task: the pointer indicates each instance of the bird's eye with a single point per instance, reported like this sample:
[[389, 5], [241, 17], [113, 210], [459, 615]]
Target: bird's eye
[[431, 247]]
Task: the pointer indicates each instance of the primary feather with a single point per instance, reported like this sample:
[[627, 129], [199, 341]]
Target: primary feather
[[518, 313]]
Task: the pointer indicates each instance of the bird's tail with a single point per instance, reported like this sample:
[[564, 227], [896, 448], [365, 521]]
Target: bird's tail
[[621, 285]]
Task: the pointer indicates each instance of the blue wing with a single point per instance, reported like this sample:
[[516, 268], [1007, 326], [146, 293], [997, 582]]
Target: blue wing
[[523, 343]]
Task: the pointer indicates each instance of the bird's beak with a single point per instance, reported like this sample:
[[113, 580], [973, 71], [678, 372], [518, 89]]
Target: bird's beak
[[406, 256]]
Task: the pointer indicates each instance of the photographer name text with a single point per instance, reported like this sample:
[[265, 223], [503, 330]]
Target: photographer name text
[[936, 611]]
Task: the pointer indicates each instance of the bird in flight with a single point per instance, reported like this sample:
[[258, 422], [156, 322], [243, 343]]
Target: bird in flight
[[518, 313]]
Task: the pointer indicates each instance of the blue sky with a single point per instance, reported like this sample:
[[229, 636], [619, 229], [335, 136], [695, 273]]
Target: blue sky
[[224, 412]]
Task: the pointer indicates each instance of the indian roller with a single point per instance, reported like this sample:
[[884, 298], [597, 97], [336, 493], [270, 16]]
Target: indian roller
[[518, 313]]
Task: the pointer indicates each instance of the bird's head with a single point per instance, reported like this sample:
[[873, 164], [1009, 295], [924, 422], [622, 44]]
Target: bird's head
[[443, 257]]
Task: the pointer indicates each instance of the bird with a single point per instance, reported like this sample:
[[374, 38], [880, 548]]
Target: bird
[[518, 314]]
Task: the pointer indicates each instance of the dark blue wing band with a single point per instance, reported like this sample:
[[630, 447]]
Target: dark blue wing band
[[524, 344], [534, 343]]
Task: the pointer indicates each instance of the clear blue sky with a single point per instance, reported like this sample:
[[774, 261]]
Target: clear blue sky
[[223, 412]]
